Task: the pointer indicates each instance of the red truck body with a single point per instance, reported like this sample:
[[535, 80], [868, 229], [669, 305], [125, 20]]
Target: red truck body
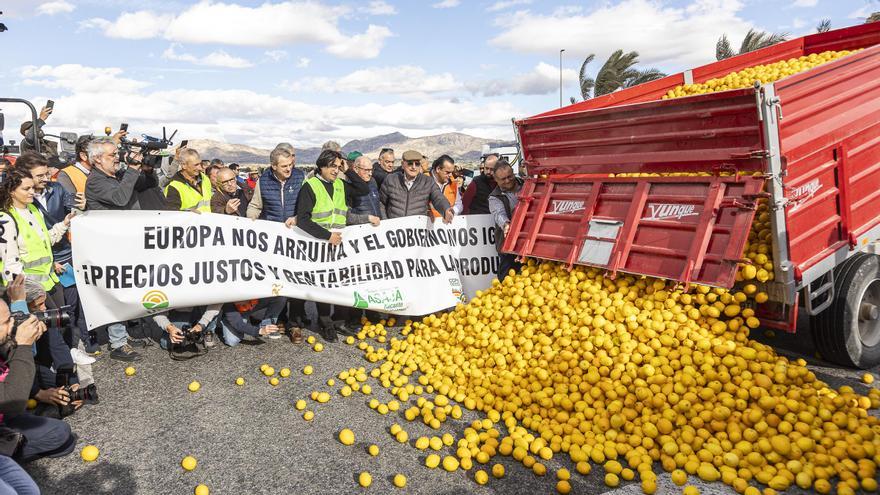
[[814, 137]]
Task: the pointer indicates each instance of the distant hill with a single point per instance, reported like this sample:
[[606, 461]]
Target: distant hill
[[461, 147]]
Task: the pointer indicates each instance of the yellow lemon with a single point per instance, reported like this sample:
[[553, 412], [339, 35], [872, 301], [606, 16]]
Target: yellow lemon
[[274, 381], [269, 371], [308, 415], [868, 378], [399, 480], [498, 470], [481, 477], [89, 453], [189, 463], [563, 487], [239, 381], [373, 450], [300, 405], [346, 436], [202, 490], [284, 373], [194, 386], [432, 461], [308, 370], [318, 348], [365, 479], [130, 371]]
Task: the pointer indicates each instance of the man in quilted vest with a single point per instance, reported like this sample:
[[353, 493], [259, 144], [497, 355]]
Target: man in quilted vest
[[275, 195]]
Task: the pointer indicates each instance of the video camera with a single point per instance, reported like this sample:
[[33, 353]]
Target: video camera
[[148, 148]]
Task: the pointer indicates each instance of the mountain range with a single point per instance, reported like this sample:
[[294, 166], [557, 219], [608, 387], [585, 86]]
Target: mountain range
[[462, 147]]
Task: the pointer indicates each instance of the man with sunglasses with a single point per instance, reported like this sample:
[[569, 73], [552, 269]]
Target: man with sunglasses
[[411, 192], [384, 166]]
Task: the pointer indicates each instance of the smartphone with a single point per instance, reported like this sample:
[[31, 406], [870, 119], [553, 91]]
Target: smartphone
[[183, 143], [50, 104], [123, 126]]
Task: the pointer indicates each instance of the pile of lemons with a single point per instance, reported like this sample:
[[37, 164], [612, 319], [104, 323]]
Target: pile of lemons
[[629, 374], [759, 251], [763, 74]]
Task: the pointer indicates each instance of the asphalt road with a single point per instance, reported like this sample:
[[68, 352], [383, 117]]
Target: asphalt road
[[250, 440]]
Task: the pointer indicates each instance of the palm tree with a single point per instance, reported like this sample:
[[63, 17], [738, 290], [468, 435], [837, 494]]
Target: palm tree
[[754, 40], [617, 72], [824, 26]]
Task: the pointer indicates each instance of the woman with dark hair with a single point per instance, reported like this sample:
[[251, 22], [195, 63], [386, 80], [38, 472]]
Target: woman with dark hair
[[321, 211], [29, 242]]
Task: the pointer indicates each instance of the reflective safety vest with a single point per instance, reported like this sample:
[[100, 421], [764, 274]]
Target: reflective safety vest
[[77, 177], [328, 213], [5, 223], [37, 258], [190, 198], [450, 191]]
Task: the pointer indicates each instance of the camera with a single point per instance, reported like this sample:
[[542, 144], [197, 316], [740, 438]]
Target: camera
[[189, 336], [53, 318], [86, 394], [148, 148]]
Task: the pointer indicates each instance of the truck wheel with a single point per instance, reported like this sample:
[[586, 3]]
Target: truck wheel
[[848, 332]]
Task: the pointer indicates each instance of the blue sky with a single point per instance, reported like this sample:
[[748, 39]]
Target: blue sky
[[306, 71]]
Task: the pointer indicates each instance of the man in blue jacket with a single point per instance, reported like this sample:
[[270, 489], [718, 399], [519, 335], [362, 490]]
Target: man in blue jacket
[[274, 199]]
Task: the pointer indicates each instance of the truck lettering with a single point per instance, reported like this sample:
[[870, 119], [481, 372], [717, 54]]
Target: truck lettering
[[567, 206], [802, 193], [662, 211]]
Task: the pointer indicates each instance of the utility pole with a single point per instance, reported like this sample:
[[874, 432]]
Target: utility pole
[[560, 76]]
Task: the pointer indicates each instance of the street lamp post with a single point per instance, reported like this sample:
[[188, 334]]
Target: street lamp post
[[560, 76]]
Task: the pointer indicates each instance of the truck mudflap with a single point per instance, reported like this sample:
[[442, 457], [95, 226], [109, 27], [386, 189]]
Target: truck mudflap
[[684, 228]]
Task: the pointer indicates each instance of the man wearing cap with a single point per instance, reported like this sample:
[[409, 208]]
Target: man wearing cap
[[349, 160], [410, 192]]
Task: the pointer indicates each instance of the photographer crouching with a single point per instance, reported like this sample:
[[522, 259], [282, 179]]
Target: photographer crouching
[[39, 436], [183, 330]]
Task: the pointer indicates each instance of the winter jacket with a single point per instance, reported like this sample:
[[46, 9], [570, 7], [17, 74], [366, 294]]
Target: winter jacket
[[395, 200]]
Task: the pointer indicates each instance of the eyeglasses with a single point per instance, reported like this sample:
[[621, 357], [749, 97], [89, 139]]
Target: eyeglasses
[[370, 170], [413, 163]]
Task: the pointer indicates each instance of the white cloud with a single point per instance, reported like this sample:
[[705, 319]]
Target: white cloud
[[504, 4], [56, 7], [861, 13], [379, 7], [79, 78], [269, 24], [303, 62], [275, 55], [541, 80], [798, 23], [661, 33], [217, 58], [399, 80], [244, 116], [446, 4], [805, 3], [365, 45], [139, 25]]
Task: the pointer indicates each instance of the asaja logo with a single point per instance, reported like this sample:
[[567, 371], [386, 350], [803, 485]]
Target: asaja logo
[[387, 299], [155, 300], [360, 302]]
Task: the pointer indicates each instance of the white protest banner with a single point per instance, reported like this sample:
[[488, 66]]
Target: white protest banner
[[131, 264]]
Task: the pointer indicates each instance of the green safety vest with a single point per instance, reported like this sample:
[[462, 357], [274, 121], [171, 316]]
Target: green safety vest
[[328, 213], [190, 198], [3, 281], [37, 260]]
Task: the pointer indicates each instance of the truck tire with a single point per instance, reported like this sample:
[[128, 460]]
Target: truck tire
[[848, 332]]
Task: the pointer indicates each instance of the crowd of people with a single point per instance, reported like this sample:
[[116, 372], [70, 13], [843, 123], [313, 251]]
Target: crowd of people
[[46, 346]]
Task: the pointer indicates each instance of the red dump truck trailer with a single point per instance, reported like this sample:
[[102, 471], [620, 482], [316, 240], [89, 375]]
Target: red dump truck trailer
[[634, 183]]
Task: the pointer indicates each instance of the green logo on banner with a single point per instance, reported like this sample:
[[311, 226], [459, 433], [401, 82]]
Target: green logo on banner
[[360, 302]]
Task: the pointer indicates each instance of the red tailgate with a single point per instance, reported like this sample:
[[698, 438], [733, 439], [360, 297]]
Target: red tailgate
[[690, 229]]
